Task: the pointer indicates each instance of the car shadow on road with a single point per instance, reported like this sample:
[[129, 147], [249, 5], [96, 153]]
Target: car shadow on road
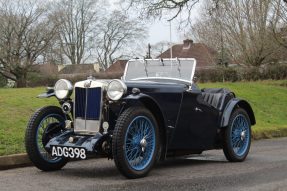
[[109, 170], [95, 172], [189, 161]]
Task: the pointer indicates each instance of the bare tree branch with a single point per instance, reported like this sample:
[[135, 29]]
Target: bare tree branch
[[116, 34], [241, 30], [26, 33], [76, 20]]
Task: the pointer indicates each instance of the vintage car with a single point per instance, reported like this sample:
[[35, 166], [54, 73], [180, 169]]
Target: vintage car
[[153, 112]]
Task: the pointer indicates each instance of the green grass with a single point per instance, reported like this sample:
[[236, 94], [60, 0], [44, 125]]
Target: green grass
[[267, 98], [269, 102], [16, 107]]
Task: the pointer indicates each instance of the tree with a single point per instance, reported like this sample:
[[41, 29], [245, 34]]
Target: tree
[[280, 28], [158, 48], [169, 9], [117, 34], [76, 21], [242, 29], [25, 32]]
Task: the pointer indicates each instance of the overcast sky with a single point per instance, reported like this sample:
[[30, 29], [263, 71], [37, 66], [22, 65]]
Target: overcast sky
[[160, 30]]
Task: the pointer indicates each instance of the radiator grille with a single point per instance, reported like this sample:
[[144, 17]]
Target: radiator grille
[[88, 103]]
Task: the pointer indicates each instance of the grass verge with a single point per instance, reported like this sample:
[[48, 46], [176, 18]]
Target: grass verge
[[16, 107], [269, 102]]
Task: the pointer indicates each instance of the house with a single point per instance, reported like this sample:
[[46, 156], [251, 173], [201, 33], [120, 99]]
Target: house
[[117, 67], [78, 68], [204, 55], [46, 69]]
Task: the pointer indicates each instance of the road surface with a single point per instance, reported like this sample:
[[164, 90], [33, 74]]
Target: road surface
[[264, 169]]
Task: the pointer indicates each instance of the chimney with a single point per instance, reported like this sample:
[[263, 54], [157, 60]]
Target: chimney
[[187, 43]]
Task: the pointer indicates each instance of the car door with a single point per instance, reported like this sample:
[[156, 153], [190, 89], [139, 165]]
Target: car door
[[196, 126]]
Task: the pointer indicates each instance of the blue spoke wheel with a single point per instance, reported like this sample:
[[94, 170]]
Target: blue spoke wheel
[[45, 124], [135, 142], [237, 136]]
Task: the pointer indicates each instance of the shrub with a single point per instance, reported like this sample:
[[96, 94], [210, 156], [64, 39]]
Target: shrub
[[3, 81], [219, 74], [275, 72], [36, 79], [250, 74], [230, 74], [233, 74]]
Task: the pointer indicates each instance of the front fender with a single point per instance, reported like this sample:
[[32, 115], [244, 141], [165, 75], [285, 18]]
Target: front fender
[[50, 92], [232, 104], [154, 107]]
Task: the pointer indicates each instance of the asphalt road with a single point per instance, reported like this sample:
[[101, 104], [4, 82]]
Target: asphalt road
[[264, 169]]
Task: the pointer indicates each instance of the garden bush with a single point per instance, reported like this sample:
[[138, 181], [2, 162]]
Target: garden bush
[[217, 74], [37, 79], [3, 81], [233, 74]]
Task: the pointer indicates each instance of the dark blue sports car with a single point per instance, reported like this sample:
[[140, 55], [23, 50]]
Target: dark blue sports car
[[153, 112]]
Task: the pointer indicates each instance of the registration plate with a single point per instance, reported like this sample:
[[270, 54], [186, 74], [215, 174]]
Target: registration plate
[[69, 152]]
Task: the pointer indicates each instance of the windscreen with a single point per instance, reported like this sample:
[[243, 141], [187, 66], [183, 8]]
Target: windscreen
[[181, 69]]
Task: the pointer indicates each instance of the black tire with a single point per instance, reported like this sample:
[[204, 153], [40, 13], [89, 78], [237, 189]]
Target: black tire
[[119, 137], [40, 159], [243, 136]]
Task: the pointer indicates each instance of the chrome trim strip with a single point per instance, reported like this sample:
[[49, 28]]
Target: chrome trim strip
[[86, 107]]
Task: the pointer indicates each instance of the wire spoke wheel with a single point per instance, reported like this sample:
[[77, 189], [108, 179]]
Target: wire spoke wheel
[[45, 124], [135, 143], [240, 135], [237, 136], [139, 143], [43, 136]]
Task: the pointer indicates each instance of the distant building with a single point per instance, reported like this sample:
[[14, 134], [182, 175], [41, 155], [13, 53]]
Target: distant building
[[78, 68], [204, 55], [117, 67], [46, 69]]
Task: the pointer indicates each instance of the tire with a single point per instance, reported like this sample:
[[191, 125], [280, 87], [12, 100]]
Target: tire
[[135, 147], [237, 136], [35, 144]]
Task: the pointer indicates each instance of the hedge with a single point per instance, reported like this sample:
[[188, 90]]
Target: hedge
[[233, 74], [217, 74]]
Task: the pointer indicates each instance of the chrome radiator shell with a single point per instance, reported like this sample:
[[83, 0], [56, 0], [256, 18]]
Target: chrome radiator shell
[[88, 105]]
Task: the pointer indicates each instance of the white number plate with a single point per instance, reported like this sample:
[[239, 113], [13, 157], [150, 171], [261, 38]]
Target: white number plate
[[69, 152]]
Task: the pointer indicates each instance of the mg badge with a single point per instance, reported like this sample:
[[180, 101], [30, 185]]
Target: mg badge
[[87, 84]]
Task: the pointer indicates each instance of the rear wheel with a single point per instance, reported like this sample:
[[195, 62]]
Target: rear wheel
[[135, 142], [237, 136], [45, 124]]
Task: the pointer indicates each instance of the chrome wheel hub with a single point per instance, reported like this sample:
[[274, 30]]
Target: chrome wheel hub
[[243, 135], [143, 144]]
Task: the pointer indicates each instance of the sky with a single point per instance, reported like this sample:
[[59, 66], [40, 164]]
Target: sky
[[159, 30]]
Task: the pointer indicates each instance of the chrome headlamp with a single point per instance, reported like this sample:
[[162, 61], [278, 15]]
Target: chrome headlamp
[[116, 90], [63, 89]]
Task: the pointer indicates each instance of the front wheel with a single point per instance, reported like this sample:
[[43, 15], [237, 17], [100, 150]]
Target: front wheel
[[237, 136], [135, 142], [45, 124]]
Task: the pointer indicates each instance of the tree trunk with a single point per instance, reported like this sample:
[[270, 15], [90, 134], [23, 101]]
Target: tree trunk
[[21, 81]]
